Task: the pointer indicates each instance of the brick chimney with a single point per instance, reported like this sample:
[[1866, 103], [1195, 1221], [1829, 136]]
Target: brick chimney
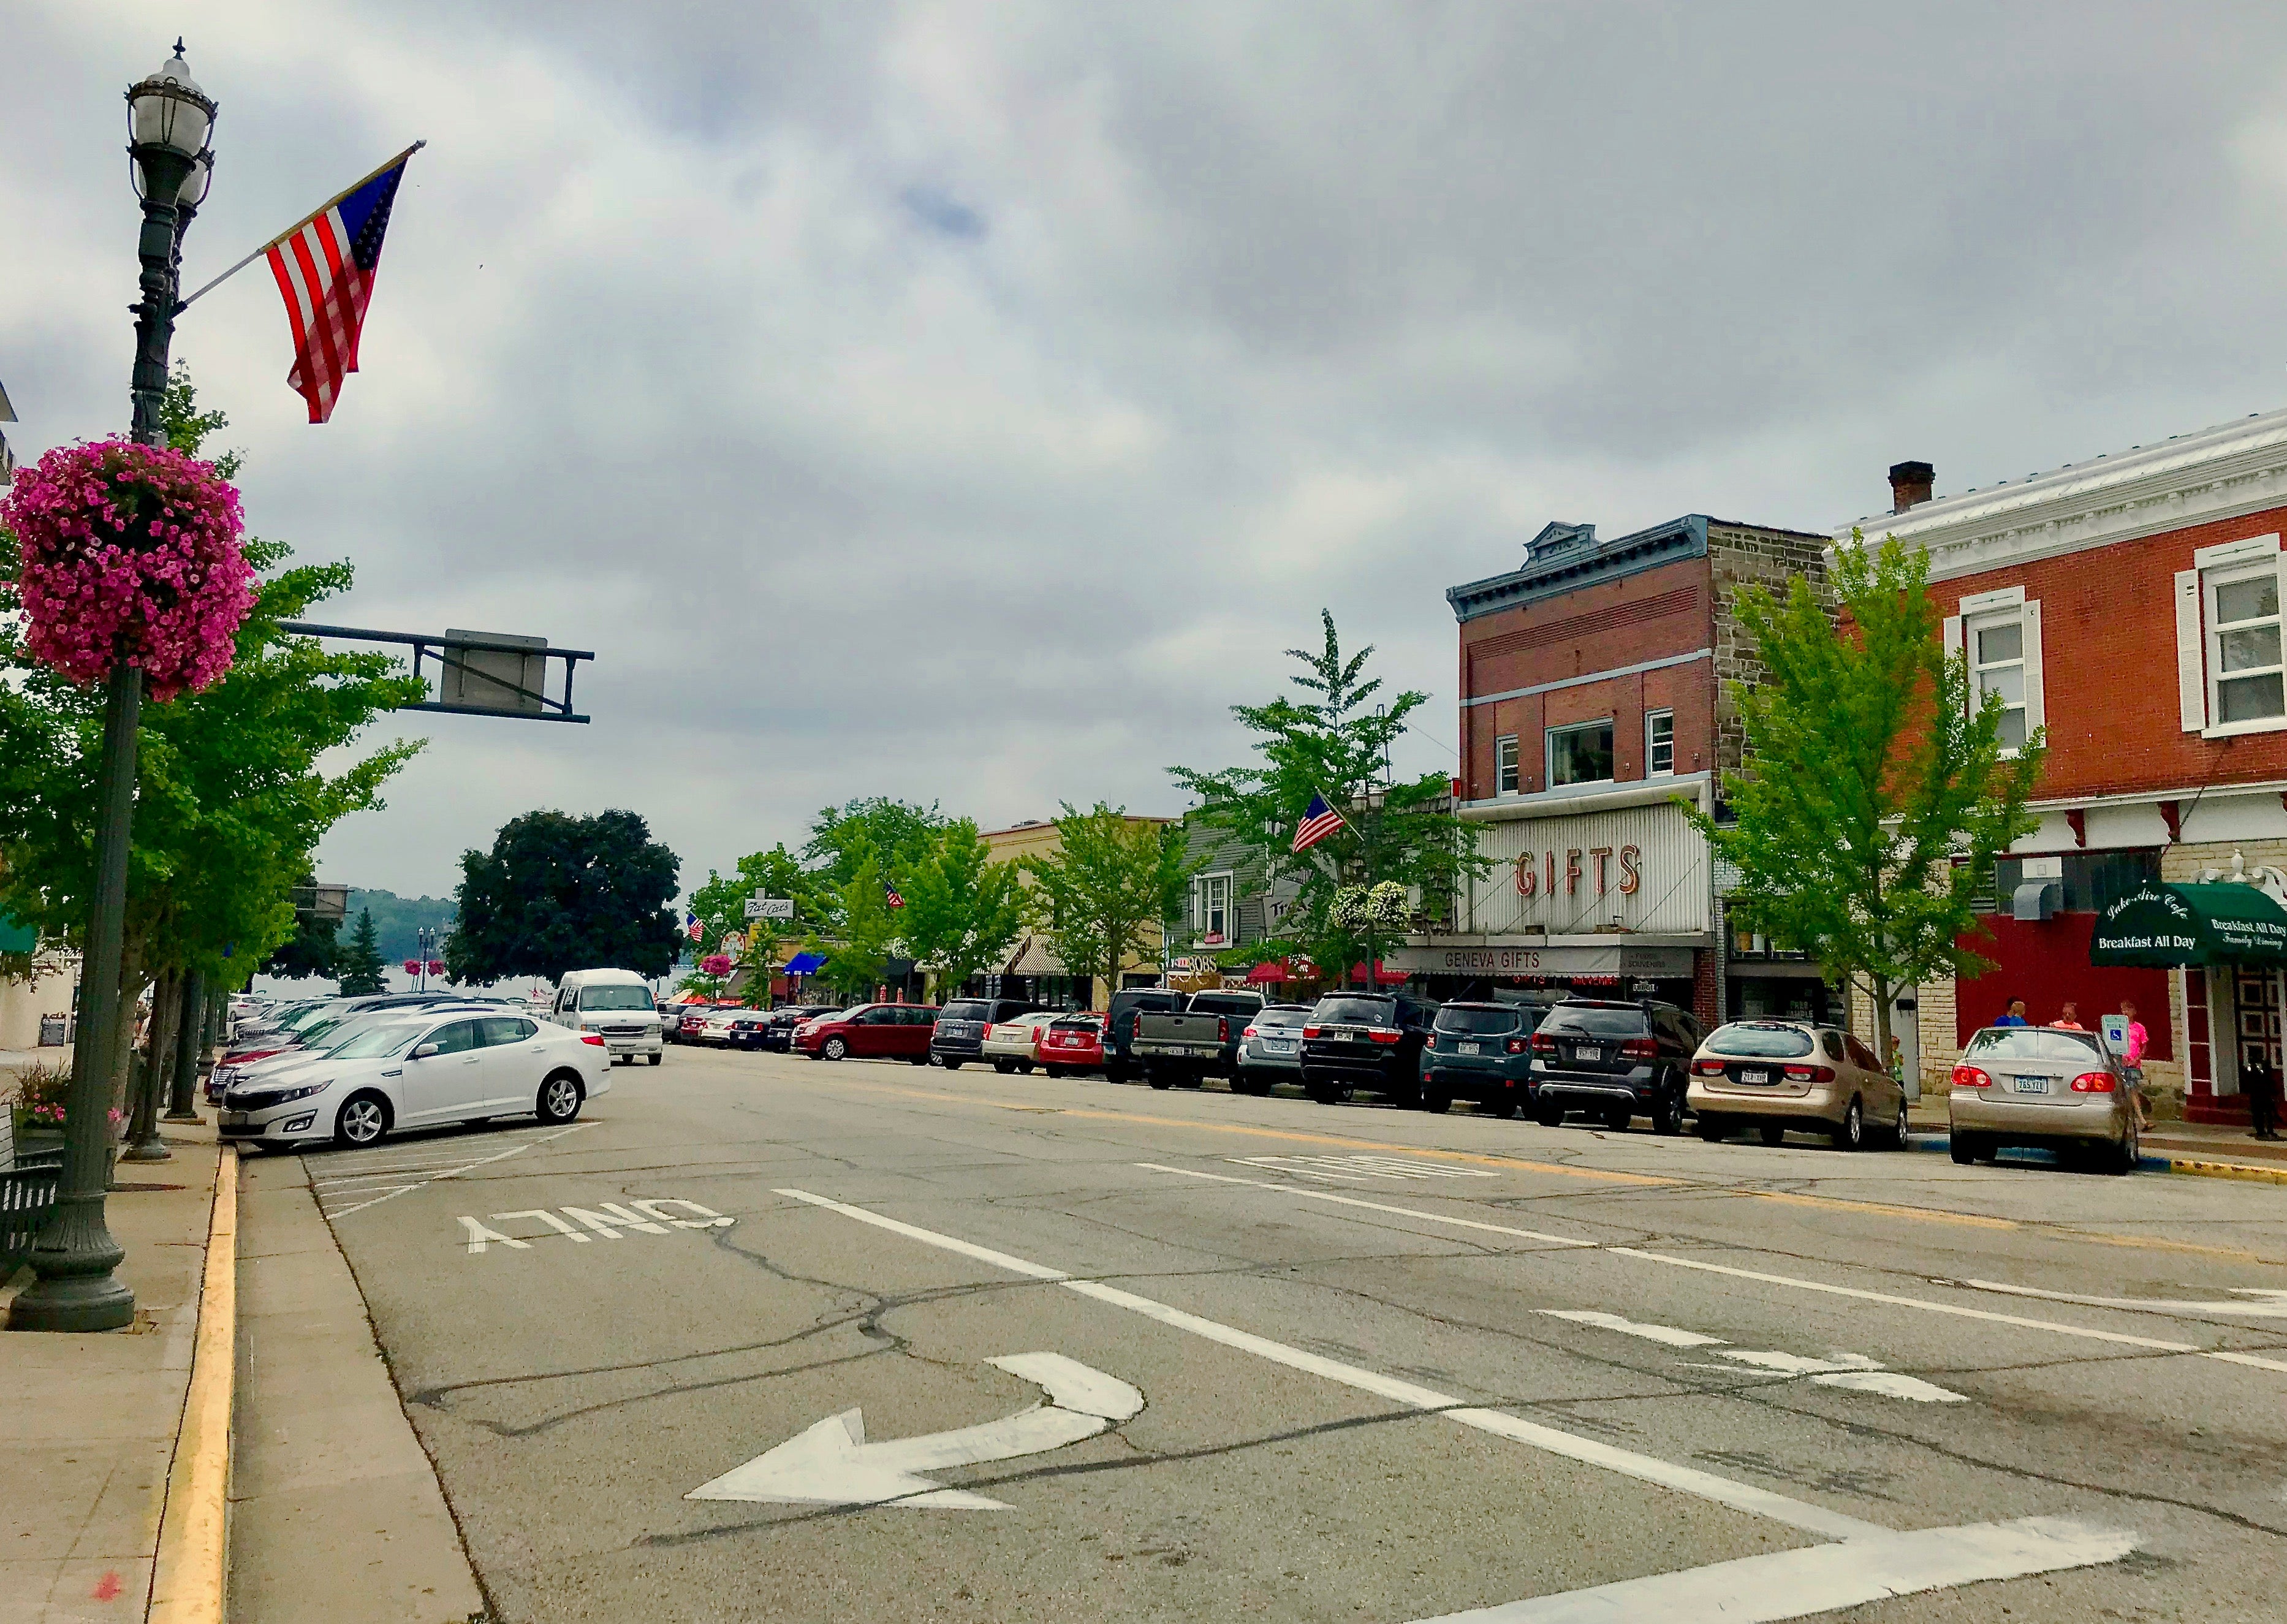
[[1910, 485]]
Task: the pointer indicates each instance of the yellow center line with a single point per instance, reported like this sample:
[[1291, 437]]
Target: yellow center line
[[1926, 1215]]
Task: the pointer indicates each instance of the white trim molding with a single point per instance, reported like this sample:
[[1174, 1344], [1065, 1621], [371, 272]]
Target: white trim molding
[[2219, 473]]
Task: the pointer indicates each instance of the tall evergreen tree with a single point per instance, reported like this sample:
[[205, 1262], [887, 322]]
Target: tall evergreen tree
[[358, 967]]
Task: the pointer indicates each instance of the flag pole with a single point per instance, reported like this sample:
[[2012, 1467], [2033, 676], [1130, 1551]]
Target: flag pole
[[186, 304]]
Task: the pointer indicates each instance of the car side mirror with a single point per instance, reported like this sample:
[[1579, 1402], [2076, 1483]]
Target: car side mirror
[[424, 1051]]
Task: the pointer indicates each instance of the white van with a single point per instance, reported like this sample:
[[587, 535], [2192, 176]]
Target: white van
[[614, 1004]]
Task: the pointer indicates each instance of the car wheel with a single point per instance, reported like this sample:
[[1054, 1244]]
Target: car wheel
[[952, 1065], [1901, 1131], [1851, 1134], [1159, 1077], [1713, 1128], [2126, 1154], [1772, 1133], [1005, 1067], [1320, 1090], [1436, 1102], [1963, 1150], [1025, 1066], [835, 1049], [1548, 1113], [1617, 1119], [363, 1121], [1667, 1116], [559, 1099], [655, 1059], [918, 1059], [1056, 1072]]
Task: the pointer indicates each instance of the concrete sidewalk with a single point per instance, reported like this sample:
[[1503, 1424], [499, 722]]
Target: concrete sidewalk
[[88, 1422], [336, 1513]]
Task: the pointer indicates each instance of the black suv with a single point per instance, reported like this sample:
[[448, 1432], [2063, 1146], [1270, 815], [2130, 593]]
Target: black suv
[[776, 1032], [1365, 1039], [1614, 1060], [1119, 1062], [960, 1034]]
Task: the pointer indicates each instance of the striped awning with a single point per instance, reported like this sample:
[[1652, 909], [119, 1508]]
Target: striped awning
[[1033, 958]]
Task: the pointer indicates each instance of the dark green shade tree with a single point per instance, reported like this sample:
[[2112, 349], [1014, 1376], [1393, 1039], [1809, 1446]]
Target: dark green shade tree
[[559, 892]]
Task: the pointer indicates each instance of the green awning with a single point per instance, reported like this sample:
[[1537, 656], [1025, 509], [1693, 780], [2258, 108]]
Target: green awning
[[2159, 927], [16, 938]]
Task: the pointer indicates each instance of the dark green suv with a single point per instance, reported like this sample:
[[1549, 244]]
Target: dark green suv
[[1481, 1052]]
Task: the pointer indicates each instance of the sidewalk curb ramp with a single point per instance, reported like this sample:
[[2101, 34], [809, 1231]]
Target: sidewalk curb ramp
[[189, 1575]]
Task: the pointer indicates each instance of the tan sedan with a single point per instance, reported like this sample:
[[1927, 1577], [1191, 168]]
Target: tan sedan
[[1013, 1045], [1777, 1075]]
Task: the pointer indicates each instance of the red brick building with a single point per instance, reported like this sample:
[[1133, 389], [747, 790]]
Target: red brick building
[[2131, 607], [1594, 684]]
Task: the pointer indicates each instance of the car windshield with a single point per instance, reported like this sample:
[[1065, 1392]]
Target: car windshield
[[1594, 1020], [301, 1019], [1369, 1012], [967, 1009], [2033, 1043], [1074, 1023], [1479, 1020], [615, 998], [1760, 1040], [1282, 1015], [378, 1042]]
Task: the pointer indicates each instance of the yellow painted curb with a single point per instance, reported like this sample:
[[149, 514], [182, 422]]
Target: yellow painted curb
[[188, 1580], [2228, 1169]]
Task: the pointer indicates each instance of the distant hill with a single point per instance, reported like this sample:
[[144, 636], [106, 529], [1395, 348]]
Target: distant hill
[[396, 919]]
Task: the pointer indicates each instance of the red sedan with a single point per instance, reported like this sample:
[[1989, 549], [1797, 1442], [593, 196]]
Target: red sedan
[[869, 1031], [1070, 1043]]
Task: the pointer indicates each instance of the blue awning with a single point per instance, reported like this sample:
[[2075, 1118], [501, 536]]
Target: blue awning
[[805, 965], [16, 938]]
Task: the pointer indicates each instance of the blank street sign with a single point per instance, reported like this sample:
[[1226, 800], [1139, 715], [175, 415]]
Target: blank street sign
[[494, 678]]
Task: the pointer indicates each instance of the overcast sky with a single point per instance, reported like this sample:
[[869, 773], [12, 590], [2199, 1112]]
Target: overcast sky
[[970, 402]]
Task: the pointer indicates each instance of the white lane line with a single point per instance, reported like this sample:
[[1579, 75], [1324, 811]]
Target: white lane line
[[1793, 1584], [1647, 1468], [1923, 1304], [1666, 1334], [2258, 1301], [481, 1161], [1351, 1200], [1853, 1371], [1352, 1169]]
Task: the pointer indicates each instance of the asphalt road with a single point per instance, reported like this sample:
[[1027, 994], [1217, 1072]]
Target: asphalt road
[[1311, 1363]]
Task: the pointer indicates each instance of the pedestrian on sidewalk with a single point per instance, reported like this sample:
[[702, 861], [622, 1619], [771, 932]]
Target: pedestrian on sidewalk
[[2131, 1061], [2261, 1082], [2015, 1015], [2068, 1017]]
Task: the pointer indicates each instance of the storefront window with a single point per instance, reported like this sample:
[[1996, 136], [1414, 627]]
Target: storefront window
[[1580, 755], [2093, 881]]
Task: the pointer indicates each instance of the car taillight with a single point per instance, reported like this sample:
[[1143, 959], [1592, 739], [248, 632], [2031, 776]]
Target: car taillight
[[590, 1037], [1517, 1045], [2093, 1083], [988, 1030], [1248, 1033], [1309, 1032], [1971, 1077], [1543, 1044], [1640, 1048], [1222, 1028], [1383, 1036], [1809, 1074], [1707, 1068]]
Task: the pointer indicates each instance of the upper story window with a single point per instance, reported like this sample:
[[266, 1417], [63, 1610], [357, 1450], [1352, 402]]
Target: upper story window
[[2230, 672], [1505, 764], [1998, 633], [1211, 908], [1660, 743], [1581, 755]]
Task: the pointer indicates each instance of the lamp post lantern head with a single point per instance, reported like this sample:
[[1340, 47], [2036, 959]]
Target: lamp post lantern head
[[167, 121]]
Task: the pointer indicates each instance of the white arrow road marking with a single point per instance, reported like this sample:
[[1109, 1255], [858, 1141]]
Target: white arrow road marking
[[1793, 1584], [1794, 1282], [831, 1464], [1854, 1370], [2265, 1304]]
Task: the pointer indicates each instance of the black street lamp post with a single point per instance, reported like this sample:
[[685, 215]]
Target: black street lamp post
[[168, 119]]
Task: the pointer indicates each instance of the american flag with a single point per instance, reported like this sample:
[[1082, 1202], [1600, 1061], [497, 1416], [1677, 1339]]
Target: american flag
[[1318, 821], [889, 895], [324, 268]]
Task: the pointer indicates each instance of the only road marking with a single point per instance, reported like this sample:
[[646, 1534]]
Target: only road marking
[[831, 1464]]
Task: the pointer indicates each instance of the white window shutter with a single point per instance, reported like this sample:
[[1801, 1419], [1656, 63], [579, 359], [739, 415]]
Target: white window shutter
[[2191, 666], [1953, 636], [2036, 707]]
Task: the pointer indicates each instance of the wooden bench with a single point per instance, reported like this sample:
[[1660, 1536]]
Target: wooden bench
[[28, 1197]]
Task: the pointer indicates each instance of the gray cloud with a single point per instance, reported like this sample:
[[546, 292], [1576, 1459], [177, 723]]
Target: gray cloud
[[971, 403]]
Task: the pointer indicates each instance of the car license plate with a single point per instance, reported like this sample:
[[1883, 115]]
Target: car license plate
[[2029, 1085], [1278, 1046], [1467, 1049], [236, 1119], [1748, 1076], [1588, 1054]]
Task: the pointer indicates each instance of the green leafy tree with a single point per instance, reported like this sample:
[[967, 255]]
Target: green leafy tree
[[559, 892], [858, 955], [1330, 744], [962, 910], [1877, 795], [360, 969], [1113, 888], [893, 832], [721, 905]]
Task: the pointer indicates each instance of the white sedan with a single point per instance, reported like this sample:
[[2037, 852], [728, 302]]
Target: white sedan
[[432, 1068]]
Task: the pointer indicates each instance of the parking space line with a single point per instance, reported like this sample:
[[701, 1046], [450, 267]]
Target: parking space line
[[420, 1182], [1922, 1304], [1646, 1469]]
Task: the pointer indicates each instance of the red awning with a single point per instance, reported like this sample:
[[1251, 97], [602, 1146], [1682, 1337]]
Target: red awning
[[1382, 973], [1268, 972]]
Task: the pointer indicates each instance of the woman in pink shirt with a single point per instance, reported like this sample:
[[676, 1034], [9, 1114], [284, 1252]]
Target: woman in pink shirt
[[2133, 1061]]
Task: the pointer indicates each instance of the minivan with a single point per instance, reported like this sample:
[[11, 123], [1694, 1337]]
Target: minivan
[[617, 1005]]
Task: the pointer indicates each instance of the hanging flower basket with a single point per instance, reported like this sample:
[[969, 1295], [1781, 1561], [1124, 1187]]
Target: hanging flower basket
[[129, 551], [716, 965]]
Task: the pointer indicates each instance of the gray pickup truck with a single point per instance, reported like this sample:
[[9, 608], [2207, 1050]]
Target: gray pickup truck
[[1200, 1042]]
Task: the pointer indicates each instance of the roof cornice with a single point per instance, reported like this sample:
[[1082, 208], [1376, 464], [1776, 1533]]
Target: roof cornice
[[1574, 568], [2217, 473]]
